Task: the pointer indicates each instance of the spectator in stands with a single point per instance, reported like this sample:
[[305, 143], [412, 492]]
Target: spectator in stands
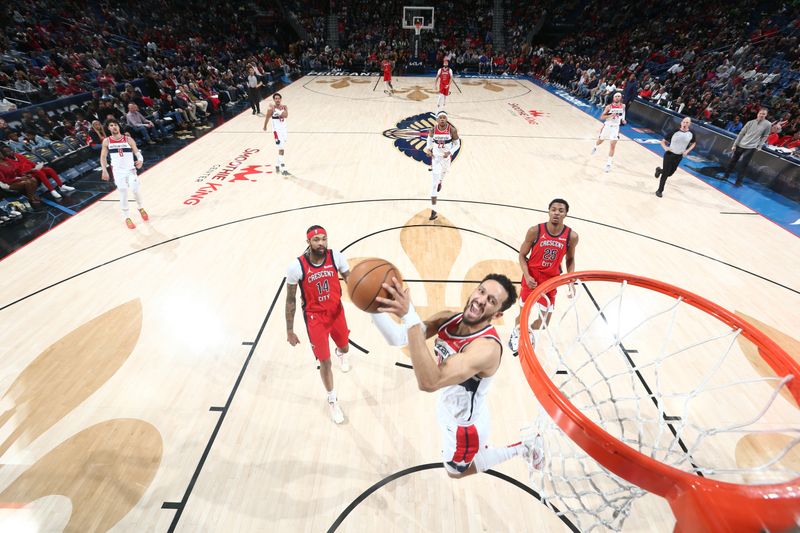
[[4, 130], [15, 142], [774, 135], [43, 121], [182, 103], [630, 91], [24, 85], [734, 125], [167, 108], [10, 180], [749, 140], [96, 135], [32, 141], [143, 127], [43, 174]]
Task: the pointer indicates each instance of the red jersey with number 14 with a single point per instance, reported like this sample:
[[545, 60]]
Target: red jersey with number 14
[[547, 253], [319, 285]]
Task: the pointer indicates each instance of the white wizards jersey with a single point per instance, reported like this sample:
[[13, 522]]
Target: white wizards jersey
[[466, 401], [616, 114], [442, 141], [278, 122], [120, 154]]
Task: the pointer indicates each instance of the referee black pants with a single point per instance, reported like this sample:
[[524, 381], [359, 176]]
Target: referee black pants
[[255, 99], [668, 168]]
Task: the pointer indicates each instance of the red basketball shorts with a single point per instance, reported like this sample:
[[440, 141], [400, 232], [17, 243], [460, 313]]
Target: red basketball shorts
[[321, 326]]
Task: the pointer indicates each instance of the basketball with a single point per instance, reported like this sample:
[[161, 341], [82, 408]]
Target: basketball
[[364, 283]]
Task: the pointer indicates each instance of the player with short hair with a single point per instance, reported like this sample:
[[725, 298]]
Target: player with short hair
[[317, 272], [442, 84], [442, 142], [278, 113], [386, 65], [467, 355], [120, 149], [540, 256], [613, 115]]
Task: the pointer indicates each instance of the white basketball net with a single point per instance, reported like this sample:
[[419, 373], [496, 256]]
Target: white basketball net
[[668, 380]]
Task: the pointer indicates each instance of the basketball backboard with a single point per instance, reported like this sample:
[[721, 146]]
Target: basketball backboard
[[414, 13]]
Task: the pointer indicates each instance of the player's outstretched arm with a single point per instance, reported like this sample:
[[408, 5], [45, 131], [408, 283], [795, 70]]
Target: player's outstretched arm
[[104, 160], [136, 153], [291, 305], [530, 237]]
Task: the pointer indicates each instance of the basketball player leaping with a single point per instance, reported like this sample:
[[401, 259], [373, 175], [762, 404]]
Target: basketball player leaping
[[467, 354], [120, 150], [317, 273], [442, 84], [540, 257], [613, 115], [386, 65], [442, 143], [278, 113]]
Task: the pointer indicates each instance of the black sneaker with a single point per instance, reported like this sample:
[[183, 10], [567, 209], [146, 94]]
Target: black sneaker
[[433, 215], [658, 193], [439, 187], [658, 172], [285, 172]]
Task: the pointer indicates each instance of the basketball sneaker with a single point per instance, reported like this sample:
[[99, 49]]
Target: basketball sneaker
[[439, 187], [130, 224], [284, 171], [336, 412], [66, 188], [534, 452], [513, 340], [433, 215], [607, 167], [594, 150], [144, 214], [54, 194], [344, 360]]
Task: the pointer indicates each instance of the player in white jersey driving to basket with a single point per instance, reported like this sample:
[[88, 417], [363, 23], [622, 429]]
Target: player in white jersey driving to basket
[[614, 116], [442, 143], [278, 113], [467, 355]]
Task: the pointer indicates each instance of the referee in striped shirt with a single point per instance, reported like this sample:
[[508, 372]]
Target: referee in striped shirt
[[676, 144]]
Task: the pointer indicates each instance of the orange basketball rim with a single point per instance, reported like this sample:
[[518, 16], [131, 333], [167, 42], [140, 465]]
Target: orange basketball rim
[[698, 503]]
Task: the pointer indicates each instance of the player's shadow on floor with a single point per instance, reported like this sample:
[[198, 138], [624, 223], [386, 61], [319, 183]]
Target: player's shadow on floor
[[314, 187]]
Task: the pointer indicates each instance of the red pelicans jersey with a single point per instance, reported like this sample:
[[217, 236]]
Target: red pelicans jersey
[[319, 285], [387, 69], [465, 401], [547, 253]]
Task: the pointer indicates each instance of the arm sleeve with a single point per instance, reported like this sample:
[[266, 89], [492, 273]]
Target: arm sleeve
[[294, 273], [340, 261], [429, 140]]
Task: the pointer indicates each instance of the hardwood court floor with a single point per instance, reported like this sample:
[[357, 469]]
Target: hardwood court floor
[[147, 382]]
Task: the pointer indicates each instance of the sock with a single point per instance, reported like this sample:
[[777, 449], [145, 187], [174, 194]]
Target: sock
[[332, 396], [610, 160], [489, 457], [280, 161]]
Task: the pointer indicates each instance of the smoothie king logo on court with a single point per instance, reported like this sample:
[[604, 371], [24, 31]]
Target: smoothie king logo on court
[[218, 176], [529, 116], [410, 136]]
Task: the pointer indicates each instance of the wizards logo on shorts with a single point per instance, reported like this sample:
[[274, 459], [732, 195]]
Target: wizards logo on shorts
[[411, 134]]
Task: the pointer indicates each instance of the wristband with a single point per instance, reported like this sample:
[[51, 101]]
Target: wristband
[[139, 157], [411, 318]]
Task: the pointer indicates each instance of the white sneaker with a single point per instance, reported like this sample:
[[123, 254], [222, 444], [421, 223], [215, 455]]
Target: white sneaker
[[344, 360], [54, 194], [336, 412], [607, 168], [594, 150], [513, 340], [66, 188], [534, 452]]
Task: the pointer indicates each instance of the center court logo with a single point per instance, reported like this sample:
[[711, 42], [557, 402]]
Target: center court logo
[[410, 135]]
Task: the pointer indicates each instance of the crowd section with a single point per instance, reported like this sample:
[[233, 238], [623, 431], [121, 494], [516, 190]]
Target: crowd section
[[708, 59]]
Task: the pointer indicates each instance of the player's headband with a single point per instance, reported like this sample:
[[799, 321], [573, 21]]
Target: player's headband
[[315, 231], [441, 114]]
